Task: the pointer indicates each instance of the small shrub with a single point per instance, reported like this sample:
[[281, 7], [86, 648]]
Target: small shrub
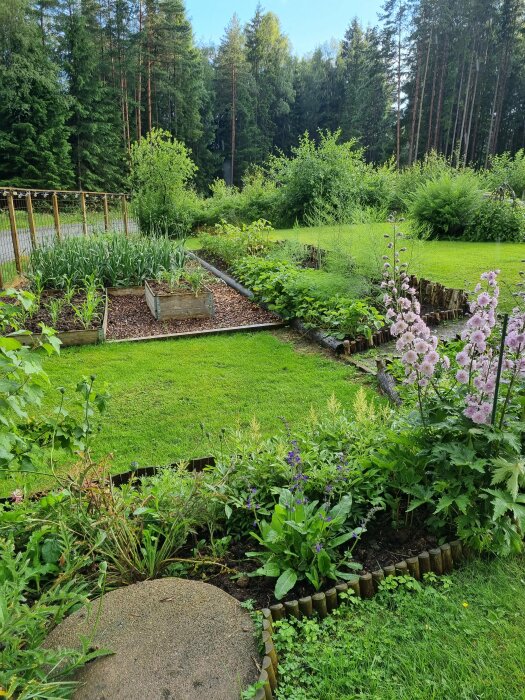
[[508, 170], [161, 170], [230, 243], [497, 220], [444, 207]]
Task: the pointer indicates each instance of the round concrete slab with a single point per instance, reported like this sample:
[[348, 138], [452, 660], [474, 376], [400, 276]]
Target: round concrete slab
[[171, 639]]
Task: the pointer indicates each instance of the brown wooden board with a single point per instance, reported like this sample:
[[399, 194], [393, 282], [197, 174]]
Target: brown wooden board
[[180, 304]]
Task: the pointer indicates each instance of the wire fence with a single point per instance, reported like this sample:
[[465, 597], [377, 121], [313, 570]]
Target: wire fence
[[31, 218]]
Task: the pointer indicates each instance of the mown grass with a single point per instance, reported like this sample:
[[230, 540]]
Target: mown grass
[[453, 263], [462, 643], [163, 391]]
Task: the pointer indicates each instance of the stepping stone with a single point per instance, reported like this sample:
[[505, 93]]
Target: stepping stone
[[172, 639]]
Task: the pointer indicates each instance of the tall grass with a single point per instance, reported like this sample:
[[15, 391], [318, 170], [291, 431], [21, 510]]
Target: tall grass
[[112, 260]]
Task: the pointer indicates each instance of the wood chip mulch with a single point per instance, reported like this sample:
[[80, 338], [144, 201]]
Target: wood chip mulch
[[130, 317]]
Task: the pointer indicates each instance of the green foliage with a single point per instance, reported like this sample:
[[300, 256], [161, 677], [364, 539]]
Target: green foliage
[[255, 200], [508, 170], [302, 540], [161, 170], [34, 148], [497, 220], [27, 613], [110, 260], [444, 207], [230, 243], [281, 286], [322, 179]]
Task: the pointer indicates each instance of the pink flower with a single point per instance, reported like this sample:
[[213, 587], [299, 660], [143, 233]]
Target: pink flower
[[421, 346], [462, 376], [410, 357], [17, 496]]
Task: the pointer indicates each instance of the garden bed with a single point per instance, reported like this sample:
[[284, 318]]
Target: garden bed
[[70, 329], [130, 318]]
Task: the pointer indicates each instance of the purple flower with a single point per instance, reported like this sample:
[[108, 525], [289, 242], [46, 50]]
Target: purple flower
[[318, 547]]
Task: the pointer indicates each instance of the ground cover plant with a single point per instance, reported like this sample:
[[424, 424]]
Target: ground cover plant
[[454, 637]]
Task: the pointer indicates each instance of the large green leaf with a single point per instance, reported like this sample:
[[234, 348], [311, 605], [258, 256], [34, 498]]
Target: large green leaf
[[284, 583]]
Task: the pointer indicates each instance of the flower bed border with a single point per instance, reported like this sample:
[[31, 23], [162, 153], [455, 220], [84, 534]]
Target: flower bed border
[[441, 560], [454, 301]]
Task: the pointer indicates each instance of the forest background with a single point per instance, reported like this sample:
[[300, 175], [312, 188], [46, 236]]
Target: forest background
[[81, 80]]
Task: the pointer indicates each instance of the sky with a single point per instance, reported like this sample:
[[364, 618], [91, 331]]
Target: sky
[[308, 23]]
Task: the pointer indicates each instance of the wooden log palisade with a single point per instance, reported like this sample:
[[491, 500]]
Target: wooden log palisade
[[439, 560]]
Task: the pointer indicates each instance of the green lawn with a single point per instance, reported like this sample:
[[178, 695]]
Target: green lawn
[[163, 390], [456, 264], [464, 643]]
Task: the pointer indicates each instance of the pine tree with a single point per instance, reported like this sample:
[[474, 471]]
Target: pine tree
[[235, 92], [97, 149], [34, 149]]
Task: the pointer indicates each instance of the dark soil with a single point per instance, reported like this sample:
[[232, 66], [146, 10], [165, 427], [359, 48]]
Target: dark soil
[[130, 317], [67, 321], [376, 550]]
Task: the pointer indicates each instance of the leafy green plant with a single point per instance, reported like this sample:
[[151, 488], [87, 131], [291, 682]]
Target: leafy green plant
[[27, 613], [497, 219], [444, 207], [302, 540], [161, 172], [54, 308], [88, 311], [230, 243]]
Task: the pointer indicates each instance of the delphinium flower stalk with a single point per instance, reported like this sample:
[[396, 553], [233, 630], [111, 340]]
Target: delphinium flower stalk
[[478, 360], [415, 342]]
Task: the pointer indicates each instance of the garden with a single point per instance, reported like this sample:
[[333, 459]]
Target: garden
[[265, 463]]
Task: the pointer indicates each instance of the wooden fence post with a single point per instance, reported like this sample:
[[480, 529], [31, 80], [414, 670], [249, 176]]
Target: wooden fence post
[[84, 215], [14, 232], [106, 213], [56, 216], [31, 220], [125, 214]]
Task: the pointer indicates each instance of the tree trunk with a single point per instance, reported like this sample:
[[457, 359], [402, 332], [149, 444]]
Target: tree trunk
[[234, 119], [422, 96]]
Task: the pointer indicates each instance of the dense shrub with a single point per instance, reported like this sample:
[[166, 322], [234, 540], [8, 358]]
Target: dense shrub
[[111, 260], [508, 170], [161, 170], [444, 207], [230, 243], [321, 182], [405, 182], [497, 220], [256, 200]]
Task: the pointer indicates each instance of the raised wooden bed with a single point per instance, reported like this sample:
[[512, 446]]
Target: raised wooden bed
[[78, 337], [180, 304]]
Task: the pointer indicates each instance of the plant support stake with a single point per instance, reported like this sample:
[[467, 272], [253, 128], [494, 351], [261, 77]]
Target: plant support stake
[[500, 365]]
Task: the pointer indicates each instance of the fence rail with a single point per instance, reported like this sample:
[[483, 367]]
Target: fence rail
[[31, 217]]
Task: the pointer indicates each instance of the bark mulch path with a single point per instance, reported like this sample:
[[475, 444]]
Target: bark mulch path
[[130, 317]]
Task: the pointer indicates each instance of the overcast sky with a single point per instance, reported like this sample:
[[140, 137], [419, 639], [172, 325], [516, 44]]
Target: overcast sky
[[308, 23]]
